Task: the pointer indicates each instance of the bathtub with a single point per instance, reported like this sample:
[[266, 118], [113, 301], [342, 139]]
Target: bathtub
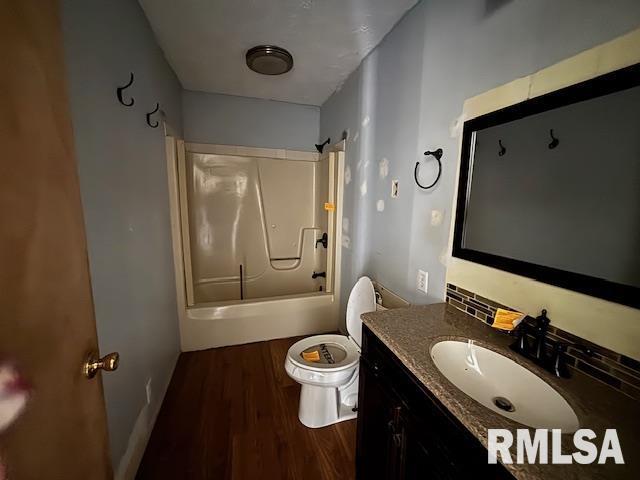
[[275, 294], [232, 323]]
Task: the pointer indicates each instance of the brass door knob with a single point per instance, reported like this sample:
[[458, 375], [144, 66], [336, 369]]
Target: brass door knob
[[108, 363]]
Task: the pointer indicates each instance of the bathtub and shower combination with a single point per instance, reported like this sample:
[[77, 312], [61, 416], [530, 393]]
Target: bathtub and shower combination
[[255, 242]]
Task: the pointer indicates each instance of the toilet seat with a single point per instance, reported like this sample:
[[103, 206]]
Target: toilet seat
[[341, 341]]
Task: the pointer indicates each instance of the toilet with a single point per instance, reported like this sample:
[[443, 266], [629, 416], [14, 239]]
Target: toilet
[[327, 365]]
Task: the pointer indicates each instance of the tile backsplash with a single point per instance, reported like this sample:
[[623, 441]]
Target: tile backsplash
[[614, 369]]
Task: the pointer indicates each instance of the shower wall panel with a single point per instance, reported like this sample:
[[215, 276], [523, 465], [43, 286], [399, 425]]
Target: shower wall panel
[[259, 213], [288, 204]]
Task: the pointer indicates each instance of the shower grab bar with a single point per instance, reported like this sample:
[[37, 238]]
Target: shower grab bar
[[241, 281]]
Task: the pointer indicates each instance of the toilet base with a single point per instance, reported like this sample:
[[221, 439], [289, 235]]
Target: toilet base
[[324, 406]]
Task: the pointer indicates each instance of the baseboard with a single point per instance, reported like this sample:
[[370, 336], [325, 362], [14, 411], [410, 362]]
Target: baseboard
[[141, 433]]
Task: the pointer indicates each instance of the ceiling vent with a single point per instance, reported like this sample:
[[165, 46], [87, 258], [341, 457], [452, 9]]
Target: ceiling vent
[[269, 60]]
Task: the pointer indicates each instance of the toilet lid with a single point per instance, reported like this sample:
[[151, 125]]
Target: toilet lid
[[361, 300]]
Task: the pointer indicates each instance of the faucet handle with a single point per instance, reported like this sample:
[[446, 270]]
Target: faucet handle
[[560, 347], [579, 346], [542, 321], [558, 367]]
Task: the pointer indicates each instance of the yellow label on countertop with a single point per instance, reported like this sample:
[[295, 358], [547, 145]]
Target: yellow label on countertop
[[507, 319]]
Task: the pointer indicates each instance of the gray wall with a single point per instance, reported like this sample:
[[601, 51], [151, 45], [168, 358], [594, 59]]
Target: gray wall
[[404, 98], [123, 182], [250, 122]]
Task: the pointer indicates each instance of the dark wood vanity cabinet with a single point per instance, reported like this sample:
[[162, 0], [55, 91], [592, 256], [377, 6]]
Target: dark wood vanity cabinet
[[404, 432]]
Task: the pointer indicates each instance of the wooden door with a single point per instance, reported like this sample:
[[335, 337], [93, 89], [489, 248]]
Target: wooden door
[[47, 324]]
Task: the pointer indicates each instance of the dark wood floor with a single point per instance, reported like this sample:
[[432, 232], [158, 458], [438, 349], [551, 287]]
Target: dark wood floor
[[232, 413]]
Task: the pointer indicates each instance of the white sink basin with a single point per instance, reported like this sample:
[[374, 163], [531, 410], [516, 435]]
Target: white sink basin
[[503, 386]]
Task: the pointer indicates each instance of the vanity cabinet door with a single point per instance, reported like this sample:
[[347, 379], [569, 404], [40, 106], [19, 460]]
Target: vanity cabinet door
[[420, 462], [427, 453], [381, 441], [436, 449]]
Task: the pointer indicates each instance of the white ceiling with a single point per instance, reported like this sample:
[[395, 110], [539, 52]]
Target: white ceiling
[[205, 42]]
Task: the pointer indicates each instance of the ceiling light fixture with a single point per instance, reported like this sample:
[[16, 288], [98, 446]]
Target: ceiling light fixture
[[269, 60]]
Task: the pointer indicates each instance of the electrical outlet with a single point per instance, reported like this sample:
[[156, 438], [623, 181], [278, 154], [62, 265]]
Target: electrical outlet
[[422, 283], [148, 390]]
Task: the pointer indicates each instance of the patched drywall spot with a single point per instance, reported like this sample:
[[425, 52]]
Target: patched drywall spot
[[436, 218], [366, 164], [383, 168], [347, 175], [306, 4], [356, 136], [346, 241], [345, 224], [380, 205], [455, 129], [363, 188], [365, 121], [444, 258]]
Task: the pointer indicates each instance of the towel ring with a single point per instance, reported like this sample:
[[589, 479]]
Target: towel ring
[[437, 154]]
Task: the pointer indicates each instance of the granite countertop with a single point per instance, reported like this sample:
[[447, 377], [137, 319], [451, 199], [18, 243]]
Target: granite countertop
[[410, 332]]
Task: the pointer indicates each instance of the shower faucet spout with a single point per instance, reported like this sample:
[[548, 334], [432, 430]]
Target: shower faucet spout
[[319, 274]]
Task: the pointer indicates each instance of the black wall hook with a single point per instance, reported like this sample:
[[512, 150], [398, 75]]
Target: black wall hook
[[554, 141], [153, 125], [502, 150], [437, 154], [119, 91], [320, 146]]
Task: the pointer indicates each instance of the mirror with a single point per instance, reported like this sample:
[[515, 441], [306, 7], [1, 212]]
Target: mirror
[[550, 188]]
